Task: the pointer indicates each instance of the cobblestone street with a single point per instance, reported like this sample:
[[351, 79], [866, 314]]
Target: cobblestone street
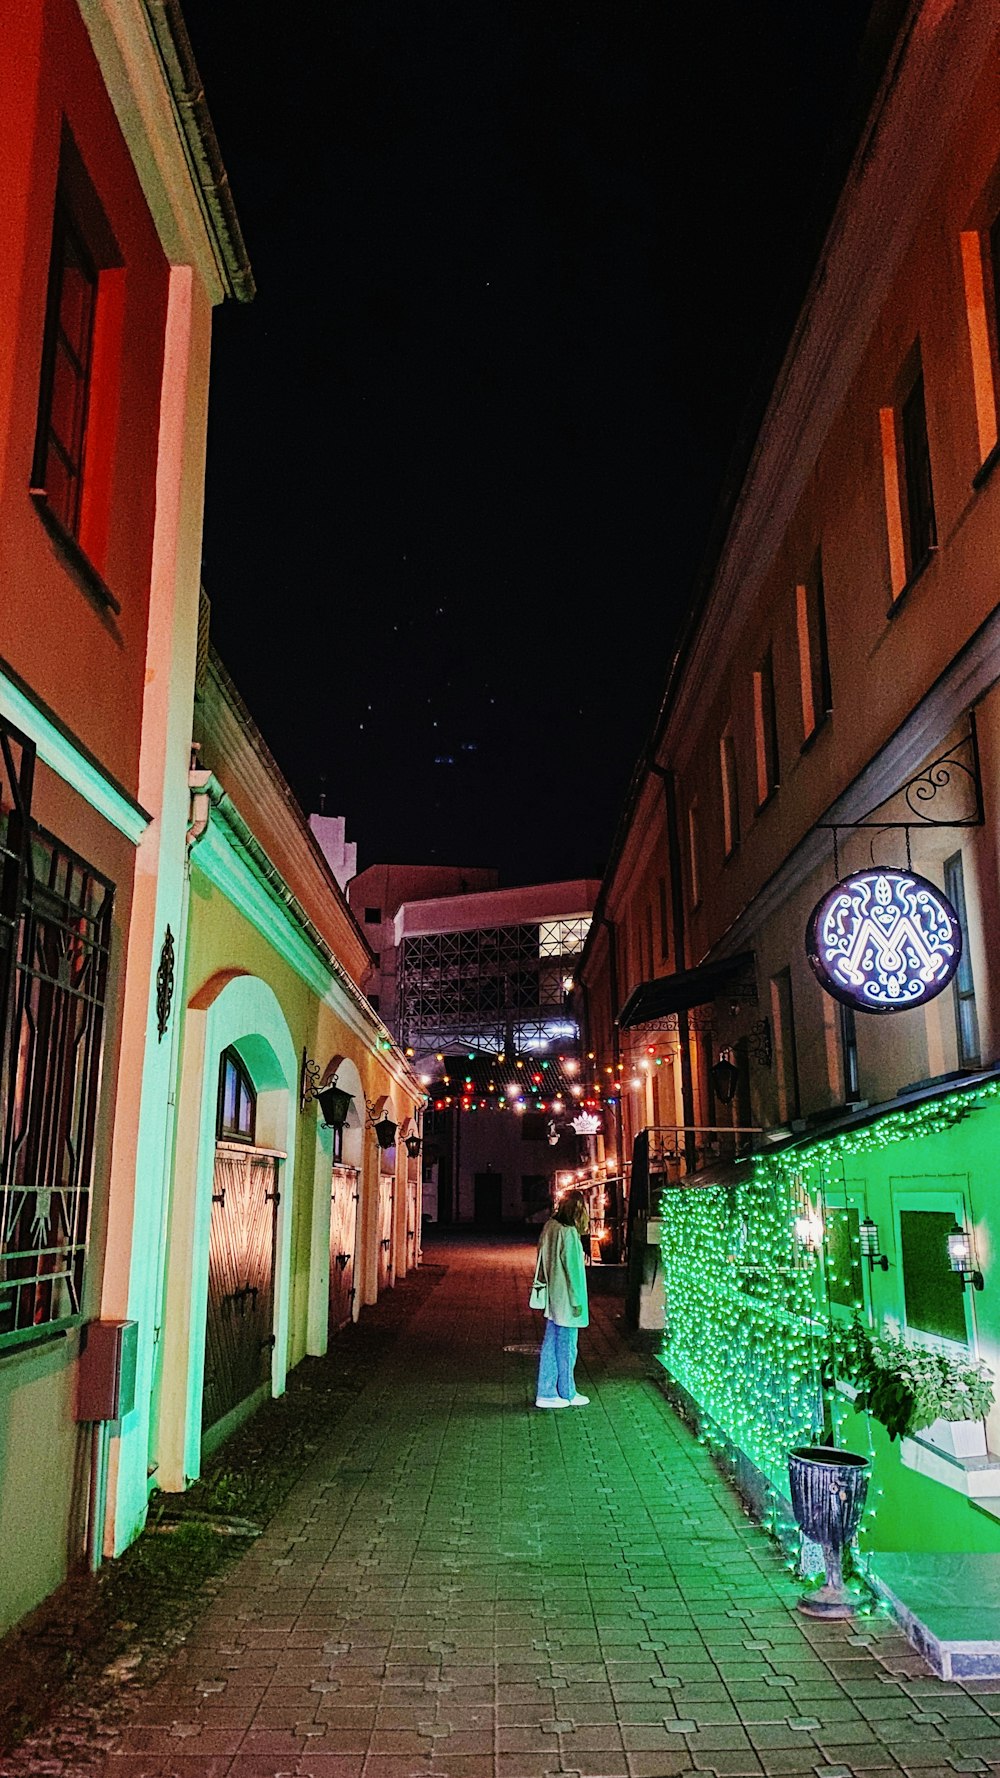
[[465, 1586]]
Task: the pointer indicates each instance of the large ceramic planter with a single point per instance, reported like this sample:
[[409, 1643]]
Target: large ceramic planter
[[829, 1489]]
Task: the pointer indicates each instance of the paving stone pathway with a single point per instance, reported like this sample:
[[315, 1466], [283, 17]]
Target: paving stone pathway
[[463, 1586]]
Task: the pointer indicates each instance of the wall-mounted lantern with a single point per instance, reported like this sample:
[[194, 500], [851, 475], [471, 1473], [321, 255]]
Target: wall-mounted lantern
[[725, 1078], [960, 1257], [868, 1237], [413, 1146], [335, 1106]]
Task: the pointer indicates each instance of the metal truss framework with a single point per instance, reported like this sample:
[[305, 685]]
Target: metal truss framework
[[490, 988]]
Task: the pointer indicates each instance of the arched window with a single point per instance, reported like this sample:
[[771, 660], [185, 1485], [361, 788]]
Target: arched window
[[237, 1101]]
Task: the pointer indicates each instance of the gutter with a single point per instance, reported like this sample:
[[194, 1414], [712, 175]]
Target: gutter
[[201, 146], [205, 785]]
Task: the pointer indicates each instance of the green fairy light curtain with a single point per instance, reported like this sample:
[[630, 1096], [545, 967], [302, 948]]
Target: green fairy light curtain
[[744, 1334]]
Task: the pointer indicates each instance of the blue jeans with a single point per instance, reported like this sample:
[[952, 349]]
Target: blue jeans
[[557, 1361]]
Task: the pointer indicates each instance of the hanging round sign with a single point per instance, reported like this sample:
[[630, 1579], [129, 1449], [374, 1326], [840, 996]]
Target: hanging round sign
[[884, 941]]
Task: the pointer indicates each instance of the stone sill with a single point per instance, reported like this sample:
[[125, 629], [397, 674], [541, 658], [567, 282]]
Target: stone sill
[[978, 1478]]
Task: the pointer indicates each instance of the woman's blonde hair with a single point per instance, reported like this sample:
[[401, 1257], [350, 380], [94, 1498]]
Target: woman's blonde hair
[[574, 1210]]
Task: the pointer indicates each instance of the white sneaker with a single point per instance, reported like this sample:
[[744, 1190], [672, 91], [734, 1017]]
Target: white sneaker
[[579, 1401], [551, 1401]]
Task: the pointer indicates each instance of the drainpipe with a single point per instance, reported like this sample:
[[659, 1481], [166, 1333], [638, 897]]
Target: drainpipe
[[669, 783], [200, 813], [616, 1046]]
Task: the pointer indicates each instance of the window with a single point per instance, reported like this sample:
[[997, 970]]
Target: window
[[963, 986], [66, 361], [730, 793], [664, 922], [920, 529], [845, 1275], [376, 960], [373, 1001], [786, 1054], [55, 934], [373, 916], [814, 659], [849, 1052], [649, 939], [933, 1293], [237, 1115], [694, 860], [765, 729], [981, 274]]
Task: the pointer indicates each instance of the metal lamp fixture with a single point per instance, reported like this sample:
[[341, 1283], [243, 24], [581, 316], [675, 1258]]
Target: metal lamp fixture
[[385, 1132], [868, 1236], [960, 1257], [725, 1077], [335, 1105], [413, 1146]]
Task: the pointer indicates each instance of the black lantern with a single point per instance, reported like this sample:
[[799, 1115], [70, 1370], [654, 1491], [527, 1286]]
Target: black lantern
[[725, 1078], [869, 1243], [960, 1257], [335, 1106], [385, 1132], [413, 1146]]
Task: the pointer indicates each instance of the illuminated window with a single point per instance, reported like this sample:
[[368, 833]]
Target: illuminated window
[[765, 724], [237, 1101], [814, 659], [730, 793], [560, 938], [963, 986]]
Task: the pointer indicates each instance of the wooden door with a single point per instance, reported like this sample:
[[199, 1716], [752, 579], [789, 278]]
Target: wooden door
[[239, 1331], [386, 1205], [344, 1194]]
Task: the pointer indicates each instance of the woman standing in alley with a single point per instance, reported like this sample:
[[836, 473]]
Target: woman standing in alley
[[560, 1289]]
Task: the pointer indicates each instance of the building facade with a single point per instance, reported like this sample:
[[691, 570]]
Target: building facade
[[279, 1226], [833, 715], [115, 250]]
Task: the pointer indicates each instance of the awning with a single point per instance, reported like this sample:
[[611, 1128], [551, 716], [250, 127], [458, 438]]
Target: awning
[[690, 987]]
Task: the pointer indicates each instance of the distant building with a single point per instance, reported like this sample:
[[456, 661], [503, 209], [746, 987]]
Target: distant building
[[377, 894], [486, 978], [341, 854]]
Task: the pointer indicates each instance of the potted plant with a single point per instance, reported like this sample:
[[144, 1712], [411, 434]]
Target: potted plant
[[911, 1389]]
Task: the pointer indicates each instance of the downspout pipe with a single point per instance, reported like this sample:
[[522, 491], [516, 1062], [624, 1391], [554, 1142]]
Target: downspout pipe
[[669, 782]]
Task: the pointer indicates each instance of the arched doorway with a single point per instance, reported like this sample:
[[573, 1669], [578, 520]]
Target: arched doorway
[[235, 1141], [242, 1247], [347, 1147]]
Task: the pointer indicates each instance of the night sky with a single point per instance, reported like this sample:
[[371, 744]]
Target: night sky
[[520, 266]]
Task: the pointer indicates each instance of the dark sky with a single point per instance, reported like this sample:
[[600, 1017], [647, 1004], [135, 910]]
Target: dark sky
[[517, 264]]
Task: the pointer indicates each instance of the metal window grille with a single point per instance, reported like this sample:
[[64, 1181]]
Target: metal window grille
[[56, 929]]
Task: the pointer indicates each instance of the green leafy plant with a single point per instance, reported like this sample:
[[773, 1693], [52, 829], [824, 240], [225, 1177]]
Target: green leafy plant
[[907, 1387]]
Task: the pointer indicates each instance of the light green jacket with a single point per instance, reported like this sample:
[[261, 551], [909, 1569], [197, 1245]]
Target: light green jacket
[[560, 1264]]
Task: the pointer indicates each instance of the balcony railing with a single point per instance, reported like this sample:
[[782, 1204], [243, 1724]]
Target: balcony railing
[[677, 1150]]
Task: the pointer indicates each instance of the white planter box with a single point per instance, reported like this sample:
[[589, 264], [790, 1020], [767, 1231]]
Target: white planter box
[[959, 1438]]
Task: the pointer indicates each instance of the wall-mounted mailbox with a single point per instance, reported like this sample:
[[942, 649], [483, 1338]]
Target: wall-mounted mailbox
[[109, 1353]]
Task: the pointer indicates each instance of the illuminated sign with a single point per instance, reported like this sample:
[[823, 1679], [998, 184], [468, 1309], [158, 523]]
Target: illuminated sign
[[884, 941]]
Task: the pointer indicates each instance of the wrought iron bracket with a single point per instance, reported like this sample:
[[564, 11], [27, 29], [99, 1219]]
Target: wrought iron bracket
[[956, 770], [164, 985], [309, 1080]]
